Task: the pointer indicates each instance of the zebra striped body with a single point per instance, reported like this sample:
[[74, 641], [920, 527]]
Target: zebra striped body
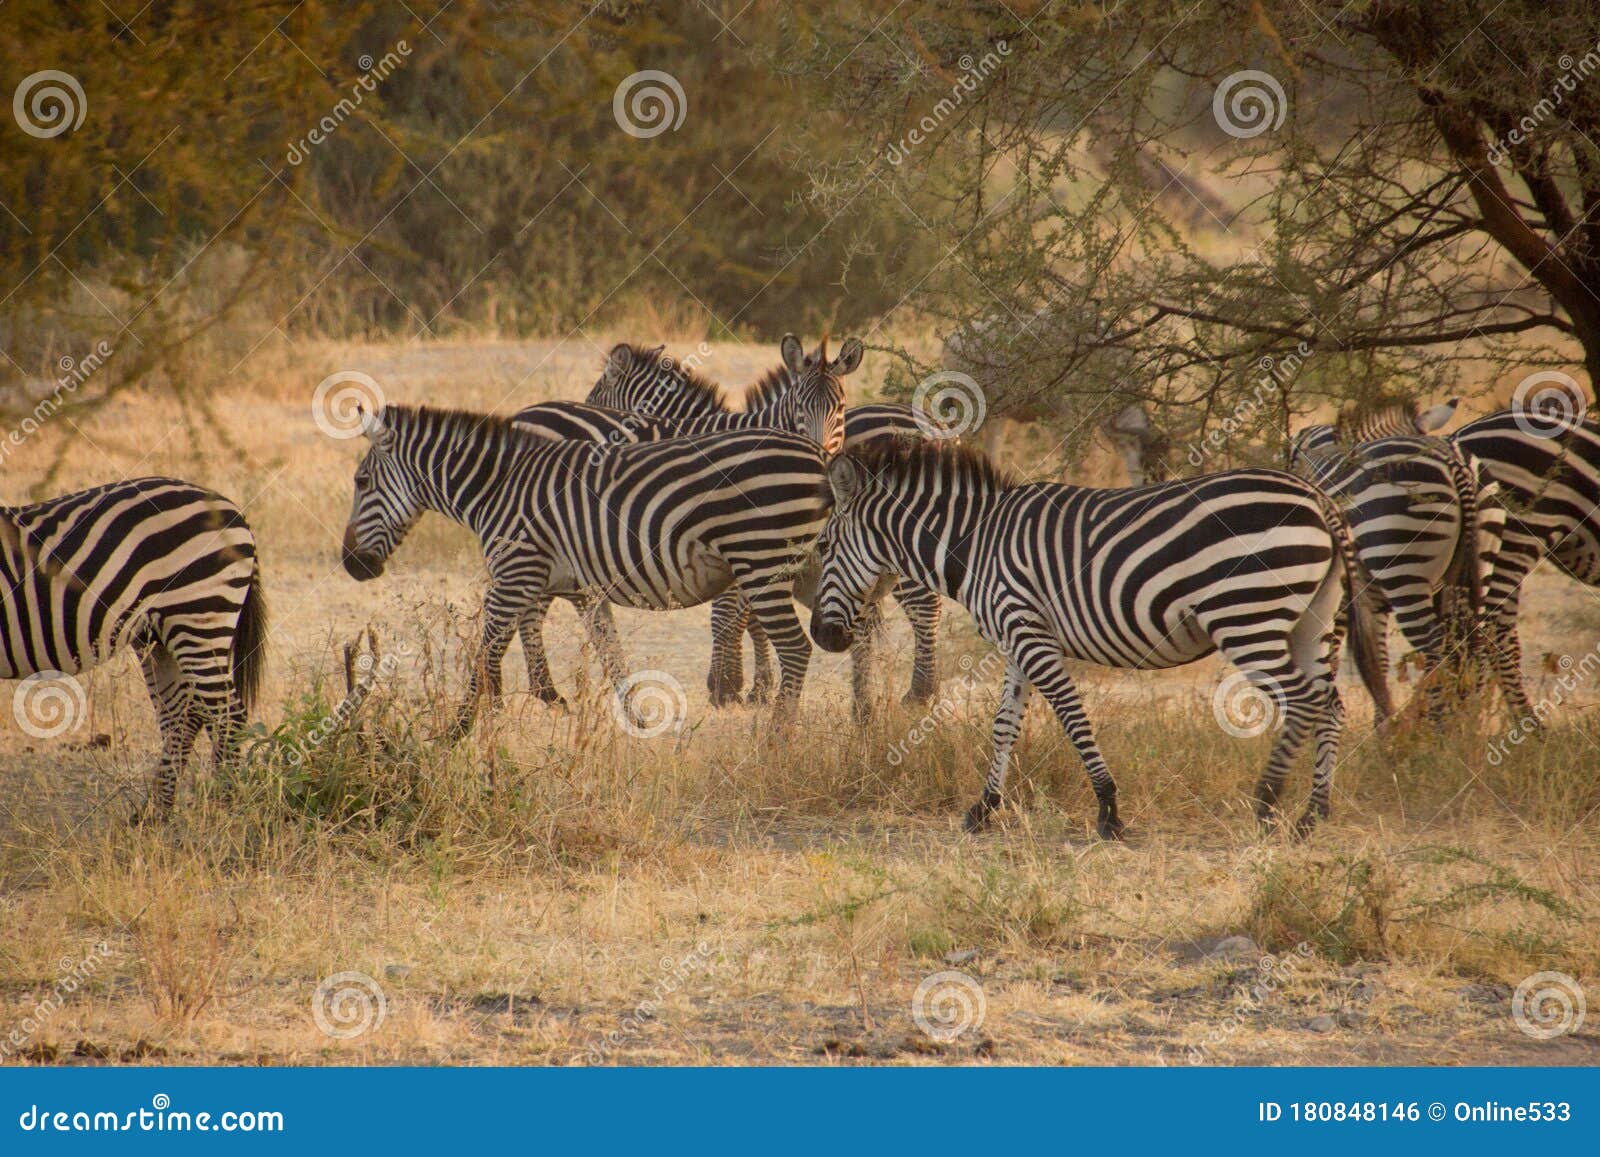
[[656, 525], [644, 381], [1249, 562], [1423, 532], [1547, 465], [154, 564], [1548, 468]]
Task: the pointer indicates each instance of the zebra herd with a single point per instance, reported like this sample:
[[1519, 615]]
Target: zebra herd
[[656, 492]]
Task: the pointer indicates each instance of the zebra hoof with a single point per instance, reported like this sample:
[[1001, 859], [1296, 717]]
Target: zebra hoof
[[759, 696], [977, 817], [1109, 826], [916, 698], [1306, 824]]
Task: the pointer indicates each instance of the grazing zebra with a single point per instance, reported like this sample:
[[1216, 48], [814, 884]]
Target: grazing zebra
[[1547, 465], [1252, 563], [656, 525], [160, 566], [1424, 531], [644, 381]]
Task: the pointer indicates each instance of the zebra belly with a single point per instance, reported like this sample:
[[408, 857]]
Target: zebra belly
[[698, 575]]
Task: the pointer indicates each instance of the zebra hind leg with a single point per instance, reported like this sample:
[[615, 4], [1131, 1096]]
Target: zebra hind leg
[[179, 723], [761, 683], [530, 629], [725, 679], [1330, 729], [1007, 726]]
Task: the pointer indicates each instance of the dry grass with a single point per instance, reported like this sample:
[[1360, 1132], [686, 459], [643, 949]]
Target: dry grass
[[556, 891]]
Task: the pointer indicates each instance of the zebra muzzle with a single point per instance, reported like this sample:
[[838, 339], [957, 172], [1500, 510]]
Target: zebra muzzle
[[829, 634], [362, 567]]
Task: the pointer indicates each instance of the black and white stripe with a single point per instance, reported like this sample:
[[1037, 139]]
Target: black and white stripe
[[1252, 563], [154, 564], [1426, 530], [645, 381], [656, 525]]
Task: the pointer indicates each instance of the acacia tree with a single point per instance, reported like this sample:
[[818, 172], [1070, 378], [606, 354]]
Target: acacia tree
[[1236, 210]]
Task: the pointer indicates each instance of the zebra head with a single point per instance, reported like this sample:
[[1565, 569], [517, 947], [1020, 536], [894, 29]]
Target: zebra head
[[386, 503], [811, 400], [854, 564]]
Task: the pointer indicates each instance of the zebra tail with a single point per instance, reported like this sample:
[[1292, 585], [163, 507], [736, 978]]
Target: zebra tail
[[1461, 595], [250, 642], [1361, 596]]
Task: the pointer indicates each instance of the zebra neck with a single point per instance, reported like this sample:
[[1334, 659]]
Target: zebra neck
[[466, 487], [934, 548]]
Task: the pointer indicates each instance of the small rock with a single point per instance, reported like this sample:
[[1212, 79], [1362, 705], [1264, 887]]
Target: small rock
[[1235, 950], [1486, 993], [1362, 991], [1323, 1023], [960, 956], [1352, 1017], [396, 971]]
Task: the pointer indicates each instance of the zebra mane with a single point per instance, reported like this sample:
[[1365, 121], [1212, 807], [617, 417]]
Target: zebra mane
[[626, 356], [767, 389], [1364, 422], [490, 431], [902, 459]]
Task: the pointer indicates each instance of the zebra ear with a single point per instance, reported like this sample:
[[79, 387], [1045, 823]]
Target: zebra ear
[[845, 479], [794, 354], [372, 424], [849, 358], [1435, 417]]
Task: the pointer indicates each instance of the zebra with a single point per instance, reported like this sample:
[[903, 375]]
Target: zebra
[[1251, 563], [1547, 465], [645, 381], [656, 525], [158, 566], [1426, 529]]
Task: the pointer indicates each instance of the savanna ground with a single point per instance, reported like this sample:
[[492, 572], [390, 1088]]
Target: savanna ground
[[556, 890]]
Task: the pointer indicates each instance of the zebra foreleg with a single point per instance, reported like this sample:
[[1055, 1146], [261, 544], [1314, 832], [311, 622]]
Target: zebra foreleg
[[772, 606], [1502, 630], [863, 647], [761, 653], [500, 619], [1043, 663], [1007, 726], [922, 608]]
